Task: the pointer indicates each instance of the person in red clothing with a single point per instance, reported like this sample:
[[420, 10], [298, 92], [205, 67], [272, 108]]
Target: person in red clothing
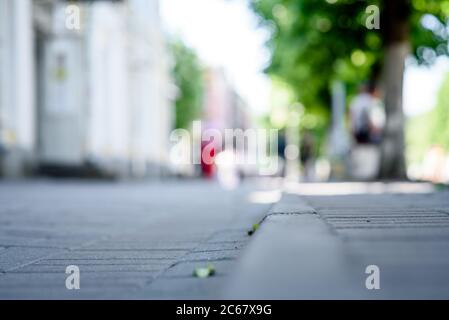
[[207, 159]]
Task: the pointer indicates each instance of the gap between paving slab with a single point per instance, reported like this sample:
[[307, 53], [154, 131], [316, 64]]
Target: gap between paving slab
[[296, 255]]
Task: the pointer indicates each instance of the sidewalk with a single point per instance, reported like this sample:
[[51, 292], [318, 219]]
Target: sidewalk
[[318, 246], [144, 240], [129, 240]]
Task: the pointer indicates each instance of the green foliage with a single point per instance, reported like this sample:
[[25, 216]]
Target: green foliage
[[440, 117], [429, 34], [418, 137], [188, 76], [314, 42], [431, 128], [254, 228], [204, 272]]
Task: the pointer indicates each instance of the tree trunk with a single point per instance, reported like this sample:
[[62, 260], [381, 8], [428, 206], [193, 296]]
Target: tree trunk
[[392, 165], [395, 32]]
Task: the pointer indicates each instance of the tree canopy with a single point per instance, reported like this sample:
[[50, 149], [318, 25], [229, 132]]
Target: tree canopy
[[188, 76], [315, 42], [430, 128]]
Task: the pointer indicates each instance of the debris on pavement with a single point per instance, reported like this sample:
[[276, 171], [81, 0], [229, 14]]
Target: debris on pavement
[[204, 272], [254, 229]]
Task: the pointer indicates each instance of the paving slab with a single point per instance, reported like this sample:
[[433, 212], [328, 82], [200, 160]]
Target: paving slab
[[322, 247], [129, 239], [16, 257]]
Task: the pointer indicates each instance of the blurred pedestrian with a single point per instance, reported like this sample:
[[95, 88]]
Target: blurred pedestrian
[[367, 115], [307, 155]]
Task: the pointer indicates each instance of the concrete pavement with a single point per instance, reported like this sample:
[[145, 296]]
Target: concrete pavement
[[129, 240], [143, 240], [315, 244]]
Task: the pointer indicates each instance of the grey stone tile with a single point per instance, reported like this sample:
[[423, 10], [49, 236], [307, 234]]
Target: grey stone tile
[[150, 269], [212, 255], [230, 235], [99, 262], [121, 254], [15, 257], [148, 244], [123, 236], [186, 269], [220, 246]]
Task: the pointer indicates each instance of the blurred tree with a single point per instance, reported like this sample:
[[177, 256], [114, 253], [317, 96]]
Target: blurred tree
[[188, 76], [439, 124], [430, 128], [315, 42]]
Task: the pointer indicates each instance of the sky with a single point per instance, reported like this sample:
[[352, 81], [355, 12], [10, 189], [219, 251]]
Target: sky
[[421, 86], [225, 34]]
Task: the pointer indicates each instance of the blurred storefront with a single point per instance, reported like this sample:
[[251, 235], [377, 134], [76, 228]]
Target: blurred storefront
[[93, 98]]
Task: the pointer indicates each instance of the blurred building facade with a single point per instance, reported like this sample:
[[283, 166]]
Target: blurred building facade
[[225, 111], [223, 108], [96, 97]]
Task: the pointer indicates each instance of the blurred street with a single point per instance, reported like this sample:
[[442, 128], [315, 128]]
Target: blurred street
[[144, 240], [207, 149], [130, 240]]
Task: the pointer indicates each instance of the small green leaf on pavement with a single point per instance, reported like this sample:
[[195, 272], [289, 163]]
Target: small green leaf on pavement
[[204, 272], [254, 229]]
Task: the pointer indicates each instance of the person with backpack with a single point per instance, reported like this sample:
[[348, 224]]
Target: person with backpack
[[367, 115]]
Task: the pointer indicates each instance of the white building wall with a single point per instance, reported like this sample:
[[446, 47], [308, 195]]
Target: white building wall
[[17, 81], [108, 139], [105, 88], [62, 115], [23, 78], [64, 106], [5, 70], [150, 81]]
